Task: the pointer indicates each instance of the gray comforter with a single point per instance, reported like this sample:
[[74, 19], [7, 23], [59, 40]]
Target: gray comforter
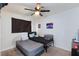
[[29, 47]]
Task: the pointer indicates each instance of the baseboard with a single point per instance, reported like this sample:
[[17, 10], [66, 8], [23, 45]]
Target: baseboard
[[63, 48], [7, 48]]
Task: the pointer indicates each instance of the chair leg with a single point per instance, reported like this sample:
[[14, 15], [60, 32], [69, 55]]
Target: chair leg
[[46, 50], [53, 43], [45, 47]]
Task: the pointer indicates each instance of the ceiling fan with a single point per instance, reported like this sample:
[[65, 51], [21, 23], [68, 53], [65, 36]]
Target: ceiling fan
[[37, 10]]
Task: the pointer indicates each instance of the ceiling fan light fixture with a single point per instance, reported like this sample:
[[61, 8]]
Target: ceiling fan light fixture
[[38, 5], [37, 12]]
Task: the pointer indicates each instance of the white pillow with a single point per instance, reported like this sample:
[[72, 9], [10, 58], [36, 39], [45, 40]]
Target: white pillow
[[32, 35], [24, 36]]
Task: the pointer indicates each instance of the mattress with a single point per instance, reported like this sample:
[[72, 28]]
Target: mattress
[[29, 47]]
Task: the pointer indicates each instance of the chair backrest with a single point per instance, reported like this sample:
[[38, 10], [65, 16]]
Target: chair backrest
[[48, 37]]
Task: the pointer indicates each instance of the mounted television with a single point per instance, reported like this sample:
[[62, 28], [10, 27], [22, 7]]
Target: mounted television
[[19, 25]]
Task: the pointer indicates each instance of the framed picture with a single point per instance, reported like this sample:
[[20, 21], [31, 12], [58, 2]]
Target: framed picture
[[49, 25], [39, 25]]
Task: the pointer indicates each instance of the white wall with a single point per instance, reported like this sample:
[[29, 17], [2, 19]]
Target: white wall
[[8, 39], [65, 26], [0, 32]]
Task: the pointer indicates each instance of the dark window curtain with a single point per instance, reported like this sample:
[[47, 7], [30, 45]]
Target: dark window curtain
[[19, 25]]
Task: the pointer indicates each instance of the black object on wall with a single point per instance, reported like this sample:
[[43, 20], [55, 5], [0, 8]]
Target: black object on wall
[[19, 25], [3, 4], [75, 48]]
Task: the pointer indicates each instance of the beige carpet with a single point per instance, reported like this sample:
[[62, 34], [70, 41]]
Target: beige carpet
[[52, 51], [0, 53]]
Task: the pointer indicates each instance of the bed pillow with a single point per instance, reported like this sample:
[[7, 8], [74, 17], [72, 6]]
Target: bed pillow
[[24, 36], [31, 35]]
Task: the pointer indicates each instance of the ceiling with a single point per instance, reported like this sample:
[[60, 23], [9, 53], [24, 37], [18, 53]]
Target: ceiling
[[53, 7]]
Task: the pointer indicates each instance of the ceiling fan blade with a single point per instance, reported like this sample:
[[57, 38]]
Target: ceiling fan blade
[[29, 9], [32, 14], [40, 14], [42, 6], [45, 11]]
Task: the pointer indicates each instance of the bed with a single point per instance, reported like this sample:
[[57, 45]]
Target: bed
[[30, 48]]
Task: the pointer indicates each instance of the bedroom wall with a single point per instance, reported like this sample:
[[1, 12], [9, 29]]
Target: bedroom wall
[[0, 32], [8, 39], [63, 30], [65, 26]]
